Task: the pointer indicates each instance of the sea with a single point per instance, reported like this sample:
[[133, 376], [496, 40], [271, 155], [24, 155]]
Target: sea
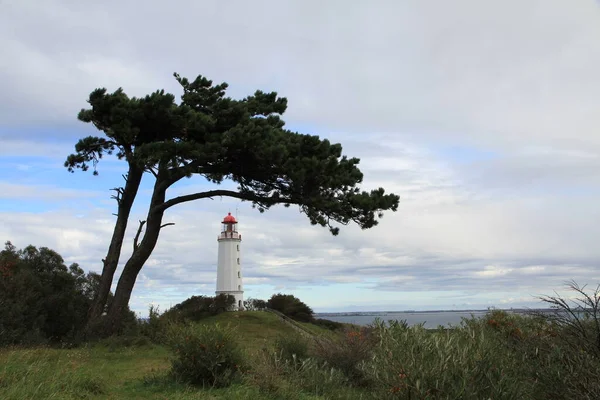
[[429, 319]]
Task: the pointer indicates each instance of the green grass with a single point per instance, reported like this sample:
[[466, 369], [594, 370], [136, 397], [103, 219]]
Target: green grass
[[115, 372], [256, 329], [501, 356], [317, 330], [84, 373]]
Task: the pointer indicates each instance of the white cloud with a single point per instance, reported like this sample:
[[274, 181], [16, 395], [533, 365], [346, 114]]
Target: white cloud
[[483, 117], [491, 271]]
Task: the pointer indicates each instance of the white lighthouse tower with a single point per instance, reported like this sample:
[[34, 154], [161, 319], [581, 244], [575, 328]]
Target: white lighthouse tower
[[229, 267]]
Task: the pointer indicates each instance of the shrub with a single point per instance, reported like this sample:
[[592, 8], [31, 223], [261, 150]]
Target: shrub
[[328, 324], [285, 379], [222, 303], [508, 325], [351, 348], [318, 379], [463, 363], [500, 356], [206, 355], [291, 306], [292, 347], [42, 300], [157, 325], [268, 372], [198, 307], [255, 304]]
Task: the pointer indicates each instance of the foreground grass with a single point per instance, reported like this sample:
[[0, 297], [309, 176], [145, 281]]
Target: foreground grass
[[500, 356], [112, 371], [100, 373]]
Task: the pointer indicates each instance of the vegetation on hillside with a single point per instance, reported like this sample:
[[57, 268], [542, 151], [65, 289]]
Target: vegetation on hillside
[[196, 349], [254, 355]]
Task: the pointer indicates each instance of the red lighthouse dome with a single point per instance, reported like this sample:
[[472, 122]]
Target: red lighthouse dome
[[229, 219]]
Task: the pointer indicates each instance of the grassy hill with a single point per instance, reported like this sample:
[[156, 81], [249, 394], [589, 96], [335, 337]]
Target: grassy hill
[[111, 371], [499, 356], [258, 329]]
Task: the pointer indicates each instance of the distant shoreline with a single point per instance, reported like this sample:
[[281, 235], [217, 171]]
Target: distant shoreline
[[371, 313]]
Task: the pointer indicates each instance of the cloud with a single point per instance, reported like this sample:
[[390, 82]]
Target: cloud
[[469, 246], [483, 117]]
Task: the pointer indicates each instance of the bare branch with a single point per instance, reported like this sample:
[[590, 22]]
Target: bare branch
[[119, 194], [137, 235], [583, 317], [167, 224]]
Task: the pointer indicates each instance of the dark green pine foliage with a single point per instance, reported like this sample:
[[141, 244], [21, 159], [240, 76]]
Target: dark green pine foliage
[[242, 140]]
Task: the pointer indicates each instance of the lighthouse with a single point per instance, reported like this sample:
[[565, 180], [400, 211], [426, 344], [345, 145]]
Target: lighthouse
[[229, 267]]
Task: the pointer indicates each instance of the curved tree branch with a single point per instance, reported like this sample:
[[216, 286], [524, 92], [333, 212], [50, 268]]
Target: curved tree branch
[[211, 193]]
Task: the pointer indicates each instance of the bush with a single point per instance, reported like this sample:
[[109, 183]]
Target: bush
[[198, 307], [347, 353], [41, 299], [292, 347], [269, 372], [500, 356], [328, 324], [157, 326], [465, 362], [287, 379], [255, 304], [290, 306], [206, 355]]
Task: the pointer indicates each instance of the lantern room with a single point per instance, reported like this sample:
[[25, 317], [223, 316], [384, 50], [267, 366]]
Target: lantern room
[[229, 223], [229, 228]]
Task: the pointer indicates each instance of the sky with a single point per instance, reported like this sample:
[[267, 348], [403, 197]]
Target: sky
[[482, 116]]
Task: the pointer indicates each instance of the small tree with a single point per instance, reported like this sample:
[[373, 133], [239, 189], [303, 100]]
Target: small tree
[[255, 304], [291, 306], [222, 303], [197, 307], [218, 138]]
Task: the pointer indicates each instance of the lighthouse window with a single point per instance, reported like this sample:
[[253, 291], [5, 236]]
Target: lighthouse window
[[239, 287], [238, 247], [239, 274], [238, 261]]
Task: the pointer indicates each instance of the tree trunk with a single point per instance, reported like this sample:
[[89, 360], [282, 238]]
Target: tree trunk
[[132, 184], [137, 260]]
